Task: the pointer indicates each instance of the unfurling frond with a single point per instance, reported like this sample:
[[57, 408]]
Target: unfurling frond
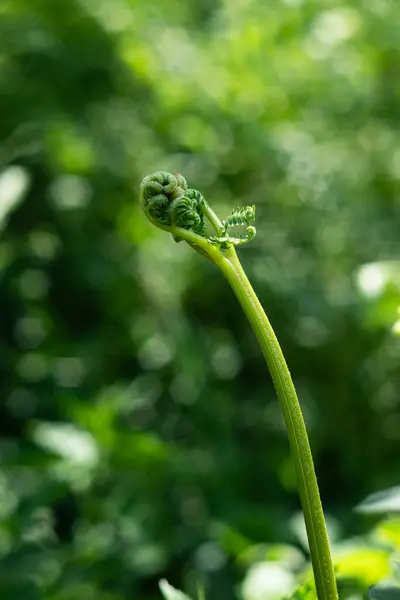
[[170, 204], [240, 216]]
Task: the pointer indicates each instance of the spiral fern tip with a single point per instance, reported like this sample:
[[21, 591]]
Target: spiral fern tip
[[170, 204]]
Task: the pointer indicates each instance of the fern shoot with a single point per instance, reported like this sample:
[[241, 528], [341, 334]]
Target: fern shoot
[[170, 204]]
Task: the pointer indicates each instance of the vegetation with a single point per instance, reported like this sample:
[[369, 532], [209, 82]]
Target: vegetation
[[141, 439], [172, 206]]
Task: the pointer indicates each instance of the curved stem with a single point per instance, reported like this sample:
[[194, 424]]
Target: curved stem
[[300, 447], [212, 217]]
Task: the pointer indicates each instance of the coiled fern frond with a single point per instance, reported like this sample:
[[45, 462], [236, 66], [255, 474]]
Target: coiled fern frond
[[158, 191], [187, 212], [170, 204], [241, 216]]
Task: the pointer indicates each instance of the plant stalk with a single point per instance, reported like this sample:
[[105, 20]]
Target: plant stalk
[[300, 447]]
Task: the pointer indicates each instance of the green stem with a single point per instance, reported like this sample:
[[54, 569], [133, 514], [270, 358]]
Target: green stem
[[300, 447], [212, 217]]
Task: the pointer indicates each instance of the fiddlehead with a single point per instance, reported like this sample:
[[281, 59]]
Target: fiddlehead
[[158, 191], [170, 204], [240, 216], [187, 212]]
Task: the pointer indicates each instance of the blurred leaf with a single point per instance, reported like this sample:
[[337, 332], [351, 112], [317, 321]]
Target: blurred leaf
[[388, 532], [361, 563], [305, 591], [384, 592], [385, 501], [287, 556], [267, 580], [171, 593]]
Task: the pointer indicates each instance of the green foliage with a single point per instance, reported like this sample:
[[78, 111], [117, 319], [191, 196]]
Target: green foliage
[[384, 592], [176, 461], [383, 502], [171, 593], [305, 591]]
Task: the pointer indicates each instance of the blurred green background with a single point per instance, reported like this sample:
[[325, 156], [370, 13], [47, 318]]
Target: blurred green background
[[140, 433]]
